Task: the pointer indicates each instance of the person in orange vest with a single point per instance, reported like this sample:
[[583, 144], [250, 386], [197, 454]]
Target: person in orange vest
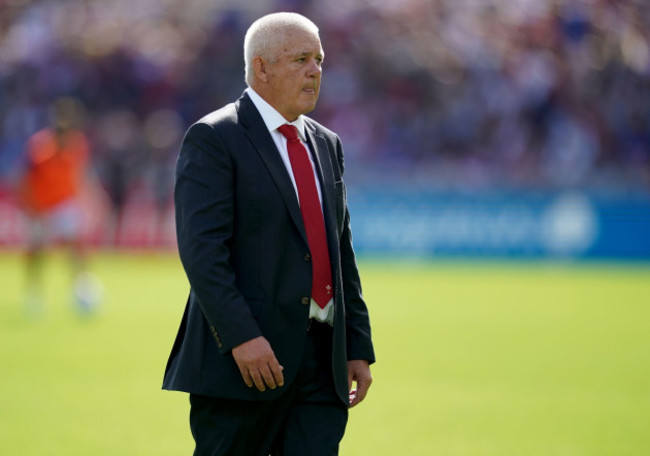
[[57, 162]]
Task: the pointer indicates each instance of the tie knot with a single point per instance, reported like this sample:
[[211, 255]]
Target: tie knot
[[289, 131]]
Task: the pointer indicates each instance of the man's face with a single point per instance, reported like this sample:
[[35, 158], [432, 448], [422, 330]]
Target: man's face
[[294, 77]]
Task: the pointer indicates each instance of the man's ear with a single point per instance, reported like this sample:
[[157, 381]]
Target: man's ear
[[259, 68]]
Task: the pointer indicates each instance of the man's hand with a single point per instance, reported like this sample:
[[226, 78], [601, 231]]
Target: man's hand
[[258, 364], [358, 371]]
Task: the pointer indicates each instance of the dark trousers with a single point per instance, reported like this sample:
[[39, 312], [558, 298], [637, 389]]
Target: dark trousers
[[307, 420]]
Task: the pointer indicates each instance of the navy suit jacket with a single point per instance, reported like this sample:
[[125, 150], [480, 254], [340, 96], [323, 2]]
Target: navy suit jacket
[[244, 249]]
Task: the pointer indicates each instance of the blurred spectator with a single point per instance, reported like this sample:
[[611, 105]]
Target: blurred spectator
[[56, 162], [118, 139]]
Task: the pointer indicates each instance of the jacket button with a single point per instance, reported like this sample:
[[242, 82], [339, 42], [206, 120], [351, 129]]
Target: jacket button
[[307, 257], [305, 300]]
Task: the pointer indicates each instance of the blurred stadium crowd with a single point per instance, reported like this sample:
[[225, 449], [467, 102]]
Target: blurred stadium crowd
[[467, 94]]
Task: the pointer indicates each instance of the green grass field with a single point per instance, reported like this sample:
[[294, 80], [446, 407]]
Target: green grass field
[[474, 359]]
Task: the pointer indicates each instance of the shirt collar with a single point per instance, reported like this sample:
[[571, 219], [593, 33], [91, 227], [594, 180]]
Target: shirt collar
[[272, 118]]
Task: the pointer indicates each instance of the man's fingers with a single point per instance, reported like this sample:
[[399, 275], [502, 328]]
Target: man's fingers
[[278, 376], [271, 375], [359, 371], [360, 393], [267, 376], [258, 365], [258, 380], [362, 388], [246, 376]]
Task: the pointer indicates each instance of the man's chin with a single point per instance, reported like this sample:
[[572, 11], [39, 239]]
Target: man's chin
[[309, 106]]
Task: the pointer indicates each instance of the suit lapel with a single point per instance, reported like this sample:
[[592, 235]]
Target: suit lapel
[[260, 137], [320, 152]]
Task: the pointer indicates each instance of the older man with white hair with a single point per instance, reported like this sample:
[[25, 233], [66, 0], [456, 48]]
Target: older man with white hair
[[275, 332]]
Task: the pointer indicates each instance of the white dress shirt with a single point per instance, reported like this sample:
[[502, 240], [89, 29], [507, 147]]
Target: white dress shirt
[[273, 120]]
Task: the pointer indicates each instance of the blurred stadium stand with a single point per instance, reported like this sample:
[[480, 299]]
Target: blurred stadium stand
[[475, 118]]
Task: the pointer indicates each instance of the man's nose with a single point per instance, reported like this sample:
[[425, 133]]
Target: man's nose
[[314, 68]]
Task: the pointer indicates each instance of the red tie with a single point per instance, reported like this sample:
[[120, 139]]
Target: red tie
[[312, 216]]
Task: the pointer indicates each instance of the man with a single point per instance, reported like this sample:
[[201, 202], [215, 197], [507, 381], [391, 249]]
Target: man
[[275, 330], [56, 174]]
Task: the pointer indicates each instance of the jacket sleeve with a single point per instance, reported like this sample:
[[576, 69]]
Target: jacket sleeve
[[204, 196], [358, 334]]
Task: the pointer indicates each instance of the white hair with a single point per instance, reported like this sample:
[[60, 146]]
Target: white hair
[[262, 36]]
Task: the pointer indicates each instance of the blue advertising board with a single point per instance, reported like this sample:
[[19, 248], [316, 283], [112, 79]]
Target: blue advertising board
[[539, 225]]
